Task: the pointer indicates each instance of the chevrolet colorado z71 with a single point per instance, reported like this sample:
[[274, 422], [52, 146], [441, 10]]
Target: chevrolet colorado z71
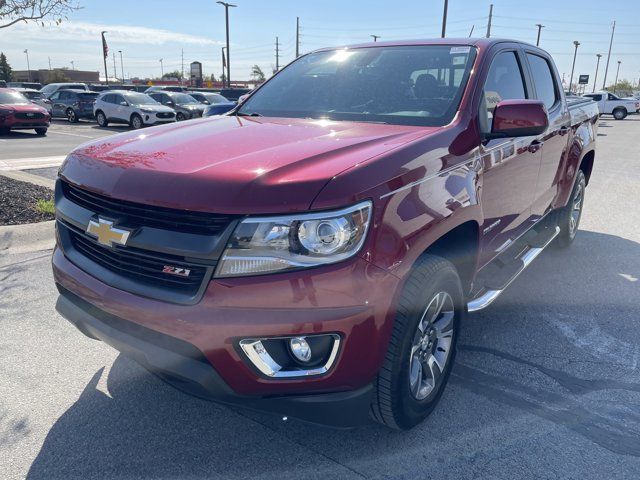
[[314, 252]]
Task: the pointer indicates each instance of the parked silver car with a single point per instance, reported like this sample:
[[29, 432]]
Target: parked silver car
[[185, 106], [134, 108]]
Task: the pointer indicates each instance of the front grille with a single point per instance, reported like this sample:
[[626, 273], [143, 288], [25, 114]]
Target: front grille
[[141, 266], [29, 115], [164, 114], [137, 215]]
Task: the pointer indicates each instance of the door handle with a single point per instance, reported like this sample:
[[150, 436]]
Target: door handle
[[563, 131], [535, 146]]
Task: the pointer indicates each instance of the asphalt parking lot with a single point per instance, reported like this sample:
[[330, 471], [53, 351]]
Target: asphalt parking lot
[[546, 383]]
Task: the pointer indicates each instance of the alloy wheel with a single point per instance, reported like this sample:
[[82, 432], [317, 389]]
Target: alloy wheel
[[431, 346], [576, 210], [71, 116]]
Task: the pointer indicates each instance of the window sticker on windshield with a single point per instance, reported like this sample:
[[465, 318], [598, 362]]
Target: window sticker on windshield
[[459, 50]]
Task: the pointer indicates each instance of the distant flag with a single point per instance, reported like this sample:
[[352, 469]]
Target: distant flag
[[105, 48]]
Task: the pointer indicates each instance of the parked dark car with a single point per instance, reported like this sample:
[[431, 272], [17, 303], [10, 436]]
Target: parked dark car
[[215, 103], [165, 88], [73, 104], [208, 98], [185, 106], [100, 88], [234, 93]]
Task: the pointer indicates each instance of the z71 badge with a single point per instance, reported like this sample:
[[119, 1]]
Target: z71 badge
[[181, 272]]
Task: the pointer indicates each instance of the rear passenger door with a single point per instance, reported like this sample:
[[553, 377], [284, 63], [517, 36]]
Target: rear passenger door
[[510, 165], [546, 86]]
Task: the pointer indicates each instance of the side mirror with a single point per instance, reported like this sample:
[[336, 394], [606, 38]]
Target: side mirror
[[170, 103], [519, 118], [124, 104]]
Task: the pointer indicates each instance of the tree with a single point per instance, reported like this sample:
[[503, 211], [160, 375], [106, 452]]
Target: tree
[[5, 68], [623, 86], [57, 76], [257, 73], [14, 11], [175, 74], [212, 78]]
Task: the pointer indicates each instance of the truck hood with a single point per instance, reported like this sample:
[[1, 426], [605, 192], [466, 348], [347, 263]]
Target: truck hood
[[231, 164]]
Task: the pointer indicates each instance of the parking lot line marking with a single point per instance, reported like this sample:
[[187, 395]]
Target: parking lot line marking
[[70, 134], [29, 163]]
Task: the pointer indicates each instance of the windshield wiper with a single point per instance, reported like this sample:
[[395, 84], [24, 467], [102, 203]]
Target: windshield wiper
[[252, 114]]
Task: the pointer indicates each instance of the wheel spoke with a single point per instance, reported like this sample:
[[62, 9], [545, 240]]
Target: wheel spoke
[[435, 369], [415, 378]]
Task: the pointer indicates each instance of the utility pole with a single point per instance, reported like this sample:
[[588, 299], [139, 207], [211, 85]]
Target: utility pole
[[375, 37], [575, 53], [615, 85], [540, 27], [606, 68], [489, 23], [182, 56], [121, 66], [444, 18], [471, 32], [595, 77], [224, 65], [297, 37], [105, 54], [226, 14], [115, 70], [161, 69], [277, 55], [26, 52]]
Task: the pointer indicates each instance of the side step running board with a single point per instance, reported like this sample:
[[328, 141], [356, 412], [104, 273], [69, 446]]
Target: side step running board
[[488, 296]]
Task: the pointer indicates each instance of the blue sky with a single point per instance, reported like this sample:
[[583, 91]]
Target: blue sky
[[147, 30]]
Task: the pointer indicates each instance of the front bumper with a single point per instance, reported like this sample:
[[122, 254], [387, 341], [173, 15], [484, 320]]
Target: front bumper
[[185, 367], [198, 350], [19, 124]]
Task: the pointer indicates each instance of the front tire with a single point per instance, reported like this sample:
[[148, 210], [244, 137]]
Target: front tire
[[41, 131], [101, 118], [180, 117], [569, 216], [620, 113], [136, 121], [71, 116], [422, 347]]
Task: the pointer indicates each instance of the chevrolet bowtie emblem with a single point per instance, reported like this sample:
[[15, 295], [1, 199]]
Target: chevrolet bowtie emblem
[[106, 233]]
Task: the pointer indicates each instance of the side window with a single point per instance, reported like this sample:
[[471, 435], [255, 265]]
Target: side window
[[597, 98], [504, 82], [55, 97], [543, 80], [118, 99], [108, 98], [64, 96]]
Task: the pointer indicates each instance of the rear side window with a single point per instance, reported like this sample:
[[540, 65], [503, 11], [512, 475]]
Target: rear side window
[[504, 82], [543, 80], [108, 98]]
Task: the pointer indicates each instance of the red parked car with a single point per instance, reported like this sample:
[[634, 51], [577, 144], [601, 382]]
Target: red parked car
[[19, 113], [315, 251]]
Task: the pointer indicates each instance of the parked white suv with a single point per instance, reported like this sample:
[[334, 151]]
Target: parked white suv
[[133, 108], [610, 104]]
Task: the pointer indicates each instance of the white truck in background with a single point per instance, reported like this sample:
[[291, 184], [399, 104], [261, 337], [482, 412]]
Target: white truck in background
[[610, 104]]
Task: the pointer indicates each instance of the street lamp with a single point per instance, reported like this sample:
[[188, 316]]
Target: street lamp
[[615, 85], [26, 52], [595, 78], [375, 37], [575, 53], [121, 66], [540, 27], [226, 14]]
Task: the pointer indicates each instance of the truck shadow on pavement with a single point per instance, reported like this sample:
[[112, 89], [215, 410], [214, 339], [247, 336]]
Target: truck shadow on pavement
[[549, 372]]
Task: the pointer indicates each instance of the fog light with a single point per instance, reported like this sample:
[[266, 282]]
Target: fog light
[[300, 349]]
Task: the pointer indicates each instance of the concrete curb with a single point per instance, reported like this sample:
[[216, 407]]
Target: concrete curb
[[28, 177], [30, 237]]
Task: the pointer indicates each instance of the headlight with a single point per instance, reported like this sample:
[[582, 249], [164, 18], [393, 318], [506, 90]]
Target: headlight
[[147, 110], [273, 244]]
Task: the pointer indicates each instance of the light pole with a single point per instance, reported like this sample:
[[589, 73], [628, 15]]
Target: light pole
[[595, 78], [224, 65], [540, 27], [573, 66], [615, 85], [26, 52], [226, 14], [161, 69], [375, 37], [444, 18], [121, 66]]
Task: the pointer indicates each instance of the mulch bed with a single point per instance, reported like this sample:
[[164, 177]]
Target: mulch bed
[[18, 202]]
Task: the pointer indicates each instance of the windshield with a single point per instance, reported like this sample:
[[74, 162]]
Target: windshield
[[139, 99], [408, 85], [182, 98], [13, 98]]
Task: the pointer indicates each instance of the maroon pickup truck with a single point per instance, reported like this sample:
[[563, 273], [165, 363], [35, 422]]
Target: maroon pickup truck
[[314, 252]]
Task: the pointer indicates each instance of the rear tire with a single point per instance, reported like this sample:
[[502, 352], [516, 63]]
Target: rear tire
[[180, 117], [41, 131], [569, 216], [620, 113], [422, 347], [136, 122], [71, 116], [101, 118]]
